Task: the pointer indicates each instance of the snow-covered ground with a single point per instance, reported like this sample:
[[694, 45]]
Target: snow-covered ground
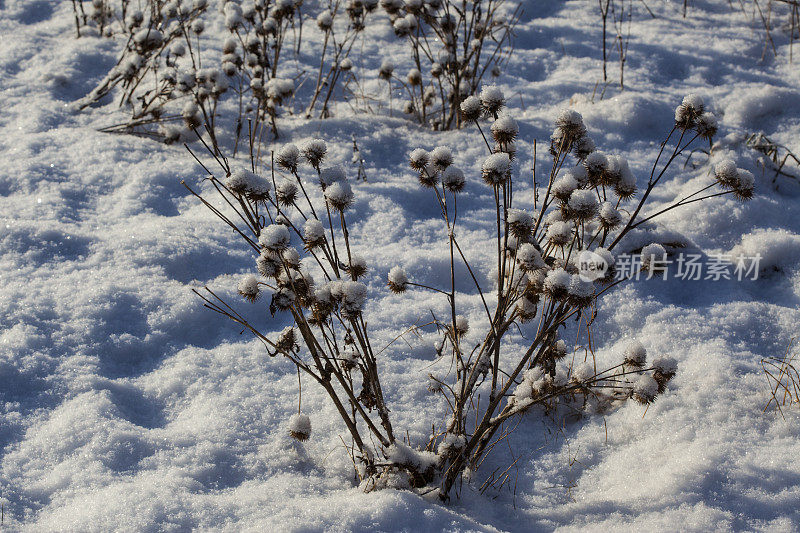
[[124, 404]]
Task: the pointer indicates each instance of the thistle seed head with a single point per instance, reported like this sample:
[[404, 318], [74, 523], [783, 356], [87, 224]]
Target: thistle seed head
[[398, 281], [453, 179], [300, 427], [248, 288]]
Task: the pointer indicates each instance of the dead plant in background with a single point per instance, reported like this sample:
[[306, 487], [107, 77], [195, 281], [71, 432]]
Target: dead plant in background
[[454, 45], [164, 74], [783, 379]]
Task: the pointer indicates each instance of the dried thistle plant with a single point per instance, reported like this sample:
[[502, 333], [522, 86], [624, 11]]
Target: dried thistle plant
[[542, 280]]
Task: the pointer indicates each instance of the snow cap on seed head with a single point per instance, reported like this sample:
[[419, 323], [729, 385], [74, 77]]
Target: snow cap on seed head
[[274, 237], [191, 115], [330, 175], [583, 372], [291, 257], [243, 181], [665, 365], [689, 110], [269, 264], [505, 129], [645, 389], [554, 215], [453, 179], [580, 174], [418, 159], [353, 295], [625, 187], [529, 258], [325, 20], [739, 180], [582, 204], [569, 124], [609, 216], [462, 325], [339, 195], [313, 233], [288, 156], [300, 427], [398, 281], [520, 223], [635, 354], [744, 188], [286, 192], [286, 340], [556, 284], [526, 308], [564, 186], [595, 164], [496, 168], [248, 288], [441, 157], [177, 49], [583, 147], [559, 233], [726, 173], [665, 369], [198, 26], [707, 125], [386, 70], [402, 27], [492, 99], [471, 108], [580, 290], [314, 151], [612, 174], [357, 267]]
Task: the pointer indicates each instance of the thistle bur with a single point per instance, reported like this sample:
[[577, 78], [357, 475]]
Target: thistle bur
[[398, 281], [300, 427], [492, 99]]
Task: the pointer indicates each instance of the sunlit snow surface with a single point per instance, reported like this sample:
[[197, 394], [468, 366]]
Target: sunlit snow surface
[[125, 404]]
